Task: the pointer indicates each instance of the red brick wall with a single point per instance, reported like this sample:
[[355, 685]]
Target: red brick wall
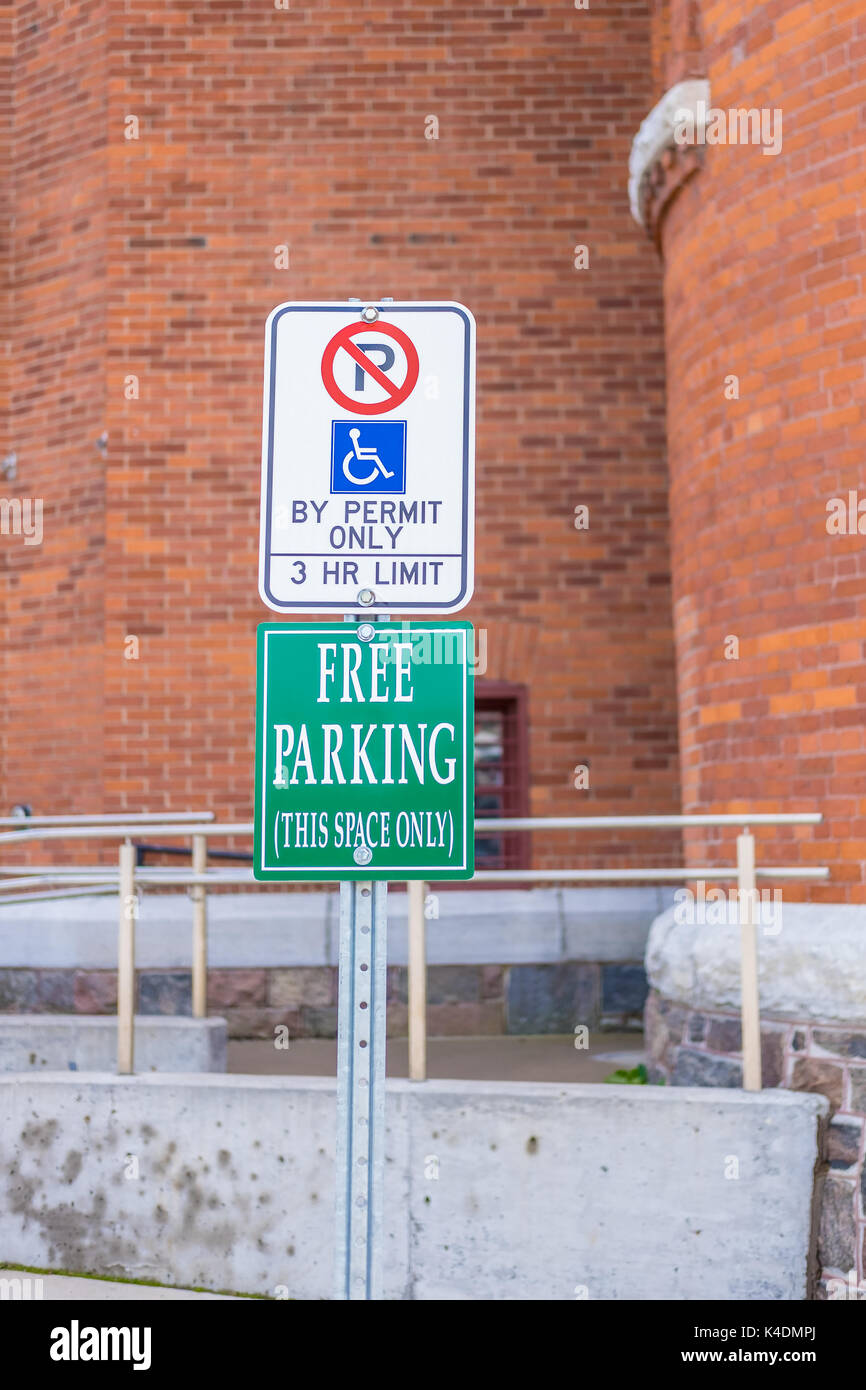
[[260, 127], [764, 260], [54, 317], [6, 209], [676, 46]]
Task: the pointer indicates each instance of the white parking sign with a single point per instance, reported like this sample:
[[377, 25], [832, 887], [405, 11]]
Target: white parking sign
[[368, 458]]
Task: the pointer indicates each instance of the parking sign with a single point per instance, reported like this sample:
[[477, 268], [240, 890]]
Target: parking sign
[[368, 458], [364, 751]]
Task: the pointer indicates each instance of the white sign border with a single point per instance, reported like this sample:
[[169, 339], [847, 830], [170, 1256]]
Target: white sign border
[[468, 531], [306, 630]]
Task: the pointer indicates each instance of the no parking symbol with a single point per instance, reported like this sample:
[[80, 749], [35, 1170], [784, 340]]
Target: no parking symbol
[[365, 367]]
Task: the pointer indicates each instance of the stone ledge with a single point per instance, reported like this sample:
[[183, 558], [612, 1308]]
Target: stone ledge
[[654, 139], [811, 968]]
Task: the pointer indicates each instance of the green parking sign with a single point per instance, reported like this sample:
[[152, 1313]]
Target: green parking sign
[[364, 751]]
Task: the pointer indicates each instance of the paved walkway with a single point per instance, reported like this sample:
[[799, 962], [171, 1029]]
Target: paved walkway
[[549, 1058]]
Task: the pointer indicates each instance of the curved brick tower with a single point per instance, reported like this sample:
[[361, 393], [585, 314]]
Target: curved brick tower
[[763, 258]]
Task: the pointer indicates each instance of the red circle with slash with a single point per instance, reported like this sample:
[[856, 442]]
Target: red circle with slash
[[345, 340]]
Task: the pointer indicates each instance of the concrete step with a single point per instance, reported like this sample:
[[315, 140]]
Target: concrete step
[[88, 1042]]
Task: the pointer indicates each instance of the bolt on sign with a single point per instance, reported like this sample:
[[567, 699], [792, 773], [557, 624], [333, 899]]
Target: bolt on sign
[[364, 751], [368, 440]]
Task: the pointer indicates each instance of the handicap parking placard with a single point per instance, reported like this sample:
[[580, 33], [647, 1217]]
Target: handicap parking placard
[[368, 458]]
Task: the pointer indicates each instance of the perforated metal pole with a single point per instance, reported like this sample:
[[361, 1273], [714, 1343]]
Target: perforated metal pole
[[416, 891], [360, 1170]]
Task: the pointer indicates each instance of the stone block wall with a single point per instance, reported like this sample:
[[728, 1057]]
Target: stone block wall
[[498, 961], [462, 1000]]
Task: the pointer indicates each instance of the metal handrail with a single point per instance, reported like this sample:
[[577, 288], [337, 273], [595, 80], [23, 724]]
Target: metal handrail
[[198, 878], [145, 847], [174, 829], [185, 878], [647, 822], [124, 830], [113, 818]]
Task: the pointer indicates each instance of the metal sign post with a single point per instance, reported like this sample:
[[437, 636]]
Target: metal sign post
[[361, 1043], [364, 729], [364, 754], [360, 1170]]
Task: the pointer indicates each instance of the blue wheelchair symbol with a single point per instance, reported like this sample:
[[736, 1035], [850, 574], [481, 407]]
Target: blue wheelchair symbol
[[368, 457]]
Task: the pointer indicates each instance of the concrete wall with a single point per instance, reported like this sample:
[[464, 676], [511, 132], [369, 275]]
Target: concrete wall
[[286, 929], [501, 961], [543, 1191]]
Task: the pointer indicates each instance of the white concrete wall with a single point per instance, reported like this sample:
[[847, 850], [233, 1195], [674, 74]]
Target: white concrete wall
[[543, 1190], [268, 929]]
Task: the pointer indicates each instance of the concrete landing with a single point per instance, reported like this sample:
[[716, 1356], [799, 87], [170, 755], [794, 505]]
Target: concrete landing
[[501, 1058], [88, 1042]]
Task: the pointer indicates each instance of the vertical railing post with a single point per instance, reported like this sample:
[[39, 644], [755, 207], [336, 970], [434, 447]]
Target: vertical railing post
[[126, 961], [199, 929], [750, 1005], [417, 976]]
